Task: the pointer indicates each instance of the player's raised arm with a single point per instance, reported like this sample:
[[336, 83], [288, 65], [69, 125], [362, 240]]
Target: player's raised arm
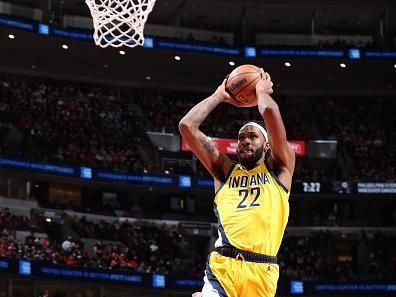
[[217, 163], [281, 152]]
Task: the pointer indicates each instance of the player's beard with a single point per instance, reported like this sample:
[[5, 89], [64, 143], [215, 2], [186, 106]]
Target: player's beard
[[251, 161]]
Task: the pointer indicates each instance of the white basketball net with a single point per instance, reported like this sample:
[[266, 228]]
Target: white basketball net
[[119, 22]]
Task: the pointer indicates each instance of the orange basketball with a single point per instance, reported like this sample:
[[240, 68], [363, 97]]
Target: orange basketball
[[241, 84]]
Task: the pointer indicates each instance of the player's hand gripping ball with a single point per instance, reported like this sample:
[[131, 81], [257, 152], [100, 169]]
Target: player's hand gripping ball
[[264, 85], [241, 85]]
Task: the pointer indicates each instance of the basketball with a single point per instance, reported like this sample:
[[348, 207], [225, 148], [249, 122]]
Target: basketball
[[241, 84]]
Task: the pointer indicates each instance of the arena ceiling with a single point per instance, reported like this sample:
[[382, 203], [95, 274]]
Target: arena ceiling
[[42, 56], [36, 55], [253, 16]]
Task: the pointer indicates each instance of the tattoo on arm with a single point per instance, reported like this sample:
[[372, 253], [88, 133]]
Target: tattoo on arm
[[216, 167], [207, 144], [200, 112]]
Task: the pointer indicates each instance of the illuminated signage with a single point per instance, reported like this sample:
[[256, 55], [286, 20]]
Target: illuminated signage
[[43, 29], [90, 274], [376, 188], [25, 267], [296, 287], [205, 182], [148, 42], [311, 187], [137, 178], [158, 281], [25, 25], [67, 33], [250, 52], [4, 265], [189, 283], [86, 172], [298, 147], [302, 53], [380, 54], [36, 166], [184, 181], [350, 287], [354, 54]]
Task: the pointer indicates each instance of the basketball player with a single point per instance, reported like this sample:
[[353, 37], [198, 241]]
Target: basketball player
[[251, 201]]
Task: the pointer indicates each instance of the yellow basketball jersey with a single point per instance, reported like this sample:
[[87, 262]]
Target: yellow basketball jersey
[[252, 209]]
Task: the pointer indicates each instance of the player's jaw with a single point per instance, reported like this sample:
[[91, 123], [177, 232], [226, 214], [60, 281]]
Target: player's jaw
[[249, 156]]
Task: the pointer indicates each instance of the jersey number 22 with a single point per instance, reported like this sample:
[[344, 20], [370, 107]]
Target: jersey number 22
[[244, 193]]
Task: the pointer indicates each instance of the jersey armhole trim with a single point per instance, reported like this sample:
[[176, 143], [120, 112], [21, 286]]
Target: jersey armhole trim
[[226, 178], [276, 178]]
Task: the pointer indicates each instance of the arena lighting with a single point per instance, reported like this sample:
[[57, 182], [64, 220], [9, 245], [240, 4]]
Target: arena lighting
[[11, 36], [65, 46], [148, 77], [122, 53], [231, 63], [296, 287], [48, 220], [394, 66], [177, 58], [342, 65], [287, 64], [25, 267]]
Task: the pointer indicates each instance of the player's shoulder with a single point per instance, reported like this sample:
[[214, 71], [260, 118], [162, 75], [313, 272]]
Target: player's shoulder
[[279, 173], [224, 169], [228, 169]]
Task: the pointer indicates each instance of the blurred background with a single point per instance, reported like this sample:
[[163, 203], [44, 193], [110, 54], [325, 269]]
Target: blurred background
[[100, 196]]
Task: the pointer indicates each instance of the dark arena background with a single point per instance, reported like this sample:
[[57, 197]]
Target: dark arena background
[[100, 196]]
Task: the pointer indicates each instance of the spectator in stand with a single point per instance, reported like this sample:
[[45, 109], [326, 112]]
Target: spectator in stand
[[12, 222], [90, 125], [366, 140], [151, 248], [67, 245], [72, 124]]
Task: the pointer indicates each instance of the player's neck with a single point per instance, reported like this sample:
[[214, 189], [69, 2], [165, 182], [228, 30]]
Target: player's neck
[[251, 166]]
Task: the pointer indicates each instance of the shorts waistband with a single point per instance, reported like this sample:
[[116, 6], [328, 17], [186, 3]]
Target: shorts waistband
[[238, 254]]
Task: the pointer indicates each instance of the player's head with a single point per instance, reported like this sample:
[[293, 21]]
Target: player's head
[[252, 144]]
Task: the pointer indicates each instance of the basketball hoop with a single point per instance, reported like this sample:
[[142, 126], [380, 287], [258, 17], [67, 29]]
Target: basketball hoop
[[119, 22]]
